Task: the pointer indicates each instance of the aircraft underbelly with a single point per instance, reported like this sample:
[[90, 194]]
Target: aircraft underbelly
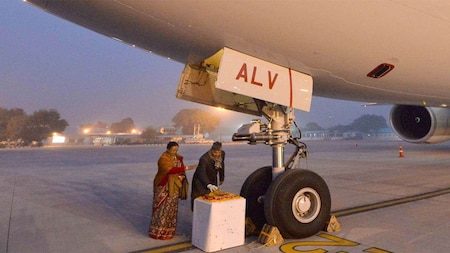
[[336, 43]]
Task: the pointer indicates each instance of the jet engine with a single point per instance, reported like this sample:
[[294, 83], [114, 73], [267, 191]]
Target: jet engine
[[418, 124]]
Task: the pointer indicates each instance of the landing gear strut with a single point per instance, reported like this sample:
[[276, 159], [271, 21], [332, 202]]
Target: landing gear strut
[[297, 201]]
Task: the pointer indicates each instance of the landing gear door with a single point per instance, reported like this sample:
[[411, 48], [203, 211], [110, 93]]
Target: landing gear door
[[233, 80], [197, 84], [246, 75]]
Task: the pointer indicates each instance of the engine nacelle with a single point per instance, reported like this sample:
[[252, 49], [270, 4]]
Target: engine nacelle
[[418, 124]]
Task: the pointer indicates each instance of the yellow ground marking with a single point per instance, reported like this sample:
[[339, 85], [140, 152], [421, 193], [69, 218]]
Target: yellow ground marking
[[169, 248], [376, 250], [332, 241]]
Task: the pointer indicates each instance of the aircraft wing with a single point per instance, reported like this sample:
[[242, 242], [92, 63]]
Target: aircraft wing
[[388, 52]]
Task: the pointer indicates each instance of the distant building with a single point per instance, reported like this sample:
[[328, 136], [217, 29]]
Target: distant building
[[321, 135], [108, 139], [382, 134], [353, 135]]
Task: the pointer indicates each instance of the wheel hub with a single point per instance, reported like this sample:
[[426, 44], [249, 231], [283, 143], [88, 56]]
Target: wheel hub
[[306, 205]]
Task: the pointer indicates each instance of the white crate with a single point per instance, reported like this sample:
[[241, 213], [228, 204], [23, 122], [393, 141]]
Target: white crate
[[218, 225]]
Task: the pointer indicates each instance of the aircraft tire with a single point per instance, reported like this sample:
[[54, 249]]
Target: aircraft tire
[[298, 203], [253, 188]]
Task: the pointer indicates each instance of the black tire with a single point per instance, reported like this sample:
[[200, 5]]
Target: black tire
[[298, 203], [253, 188]]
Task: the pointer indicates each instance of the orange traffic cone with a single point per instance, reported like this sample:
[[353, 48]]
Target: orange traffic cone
[[401, 155]]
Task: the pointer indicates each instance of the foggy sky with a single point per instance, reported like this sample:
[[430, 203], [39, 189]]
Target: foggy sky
[[49, 63]]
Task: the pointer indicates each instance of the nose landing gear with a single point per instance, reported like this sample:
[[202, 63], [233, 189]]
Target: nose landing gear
[[296, 201]]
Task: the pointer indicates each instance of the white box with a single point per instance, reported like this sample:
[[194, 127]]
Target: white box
[[218, 225]]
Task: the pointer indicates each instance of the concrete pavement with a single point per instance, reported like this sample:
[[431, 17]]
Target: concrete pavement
[[98, 199]]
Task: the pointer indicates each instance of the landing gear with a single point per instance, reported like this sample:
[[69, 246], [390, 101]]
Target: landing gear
[[297, 201]]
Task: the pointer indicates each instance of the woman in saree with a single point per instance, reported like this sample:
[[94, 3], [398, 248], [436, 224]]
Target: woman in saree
[[167, 189]]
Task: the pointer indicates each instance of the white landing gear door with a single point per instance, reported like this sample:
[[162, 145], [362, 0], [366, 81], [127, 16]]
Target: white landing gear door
[[253, 77]]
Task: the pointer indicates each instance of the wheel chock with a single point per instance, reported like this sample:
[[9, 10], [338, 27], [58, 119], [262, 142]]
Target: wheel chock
[[333, 225], [250, 227], [269, 236]]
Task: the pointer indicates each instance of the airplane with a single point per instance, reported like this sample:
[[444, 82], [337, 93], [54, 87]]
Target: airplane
[[269, 58]]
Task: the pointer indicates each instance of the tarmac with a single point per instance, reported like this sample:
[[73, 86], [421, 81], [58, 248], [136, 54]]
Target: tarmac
[[98, 199]]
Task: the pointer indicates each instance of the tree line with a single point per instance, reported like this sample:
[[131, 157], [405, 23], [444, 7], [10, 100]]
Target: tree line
[[23, 129], [17, 126], [186, 120], [365, 124]]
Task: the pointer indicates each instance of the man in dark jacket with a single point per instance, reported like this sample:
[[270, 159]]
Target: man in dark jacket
[[210, 165]]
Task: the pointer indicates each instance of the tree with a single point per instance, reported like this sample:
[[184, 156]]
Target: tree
[[16, 127], [149, 134], [313, 126], [98, 127], [5, 117], [186, 119], [369, 122], [341, 128], [124, 126], [41, 124]]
